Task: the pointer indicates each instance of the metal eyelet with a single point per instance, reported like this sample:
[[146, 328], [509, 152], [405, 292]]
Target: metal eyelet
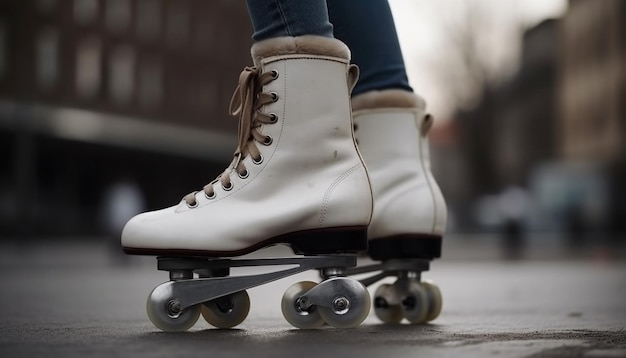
[[274, 96], [268, 140], [193, 205], [245, 174], [273, 118], [229, 187], [259, 161], [274, 74], [210, 197]]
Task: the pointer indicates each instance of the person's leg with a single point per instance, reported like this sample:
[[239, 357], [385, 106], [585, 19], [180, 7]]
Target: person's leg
[[367, 27], [391, 126], [278, 18]]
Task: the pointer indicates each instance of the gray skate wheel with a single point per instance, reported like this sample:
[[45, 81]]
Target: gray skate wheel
[[304, 319], [350, 303], [435, 300], [165, 313], [228, 311], [386, 305], [414, 301]]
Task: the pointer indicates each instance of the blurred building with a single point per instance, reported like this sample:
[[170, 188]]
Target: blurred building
[[557, 127], [95, 92], [525, 108], [509, 133], [592, 96]]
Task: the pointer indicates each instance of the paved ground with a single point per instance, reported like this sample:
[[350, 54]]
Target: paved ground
[[73, 300]]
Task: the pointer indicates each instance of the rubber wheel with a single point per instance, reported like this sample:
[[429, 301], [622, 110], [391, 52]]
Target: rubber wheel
[[357, 310], [386, 305], [228, 311], [415, 302], [435, 300], [157, 307], [303, 319]]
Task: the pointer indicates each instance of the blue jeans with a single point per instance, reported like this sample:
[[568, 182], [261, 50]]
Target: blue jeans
[[366, 26]]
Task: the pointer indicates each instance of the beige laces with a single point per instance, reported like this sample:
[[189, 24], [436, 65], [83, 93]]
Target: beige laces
[[245, 103]]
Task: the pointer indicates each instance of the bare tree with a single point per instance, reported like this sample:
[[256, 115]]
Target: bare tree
[[481, 50]]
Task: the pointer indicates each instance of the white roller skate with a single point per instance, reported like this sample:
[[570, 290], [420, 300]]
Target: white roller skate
[[296, 179], [410, 213]]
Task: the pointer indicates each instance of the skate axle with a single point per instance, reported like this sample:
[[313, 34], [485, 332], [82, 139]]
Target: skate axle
[[325, 294], [339, 301], [173, 308]]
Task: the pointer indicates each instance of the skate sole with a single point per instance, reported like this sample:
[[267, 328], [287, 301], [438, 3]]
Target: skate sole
[[308, 242], [409, 246]]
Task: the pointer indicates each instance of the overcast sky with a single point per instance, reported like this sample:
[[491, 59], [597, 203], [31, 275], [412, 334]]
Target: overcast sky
[[424, 26]]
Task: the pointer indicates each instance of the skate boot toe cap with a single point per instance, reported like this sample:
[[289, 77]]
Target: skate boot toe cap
[[145, 230]]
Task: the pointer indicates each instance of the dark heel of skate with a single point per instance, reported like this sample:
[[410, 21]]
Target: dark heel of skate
[[329, 241], [410, 246]]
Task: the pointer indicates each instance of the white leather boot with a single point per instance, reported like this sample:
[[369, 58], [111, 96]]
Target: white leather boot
[[410, 213], [296, 177]]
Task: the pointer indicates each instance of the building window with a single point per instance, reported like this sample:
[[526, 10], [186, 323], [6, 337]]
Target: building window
[[122, 74], [47, 53], [117, 15], [88, 68], [85, 11], [150, 84], [178, 22], [148, 19]]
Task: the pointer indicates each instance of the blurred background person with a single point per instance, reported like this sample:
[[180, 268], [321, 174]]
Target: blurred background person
[[121, 201]]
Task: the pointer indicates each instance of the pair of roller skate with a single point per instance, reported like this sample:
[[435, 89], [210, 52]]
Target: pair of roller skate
[[297, 178]]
